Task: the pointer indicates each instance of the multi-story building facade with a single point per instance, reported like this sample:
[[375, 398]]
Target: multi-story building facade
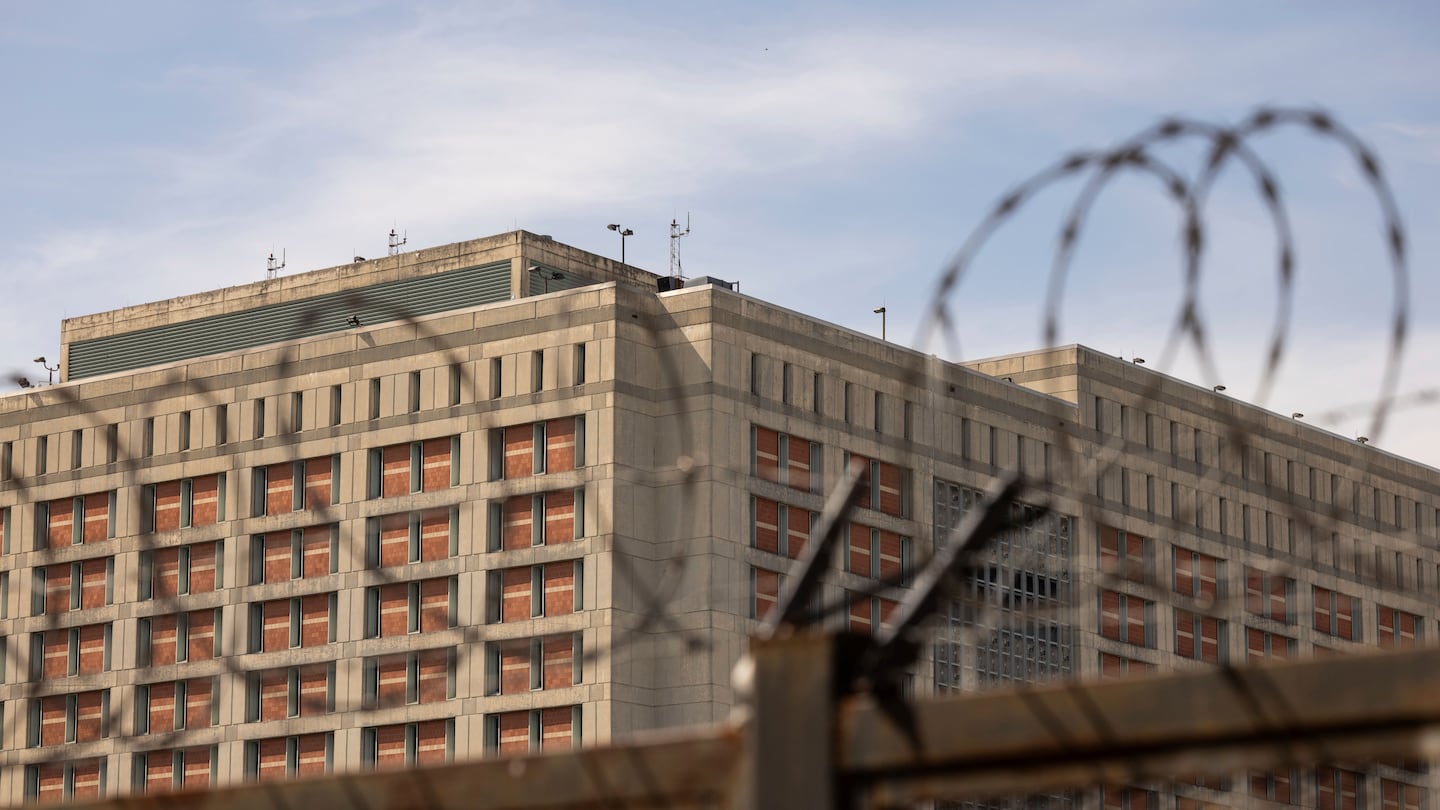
[[504, 496]]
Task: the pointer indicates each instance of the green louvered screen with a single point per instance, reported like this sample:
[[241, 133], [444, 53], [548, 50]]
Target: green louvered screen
[[322, 314], [543, 280]]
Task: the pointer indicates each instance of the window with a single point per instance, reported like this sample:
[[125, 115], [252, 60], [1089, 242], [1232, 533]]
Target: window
[[537, 591], [222, 424], [1127, 618], [335, 403], [1269, 595], [1126, 555], [909, 423], [579, 363], [537, 371], [259, 417], [374, 397], [879, 412], [424, 743], [1336, 614], [785, 383], [77, 448], [42, 454], [849, 395], [1199, 637], [288, 757], [112, 445], [259, 490], [414, 391], [1397, 629], [184, 430], [817, 392], [454, 380], [754, 373], [495, 375], [297, 411], [1198, 575]]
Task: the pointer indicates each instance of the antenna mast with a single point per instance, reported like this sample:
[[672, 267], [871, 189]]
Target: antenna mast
[[274, 266], [396, 240], [675, 234]]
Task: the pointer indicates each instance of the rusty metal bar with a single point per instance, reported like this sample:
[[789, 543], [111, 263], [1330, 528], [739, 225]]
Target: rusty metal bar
[[1074, 735]]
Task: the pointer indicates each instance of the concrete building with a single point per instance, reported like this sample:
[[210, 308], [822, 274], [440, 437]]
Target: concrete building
[[502, 496]]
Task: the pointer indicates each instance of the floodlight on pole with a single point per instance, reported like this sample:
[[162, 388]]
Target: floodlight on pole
[[624, 232]]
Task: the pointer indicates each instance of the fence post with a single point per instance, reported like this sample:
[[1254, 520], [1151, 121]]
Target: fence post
[[786, 688]]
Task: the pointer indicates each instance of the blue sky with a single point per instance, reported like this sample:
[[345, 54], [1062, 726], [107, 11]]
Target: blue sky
[[833, 157]]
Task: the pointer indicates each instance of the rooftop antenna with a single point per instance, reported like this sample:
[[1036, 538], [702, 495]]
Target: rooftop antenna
[[396, 240], [675, 234], [274, 266]]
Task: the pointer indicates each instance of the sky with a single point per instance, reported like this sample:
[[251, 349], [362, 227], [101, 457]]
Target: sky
[[833, 157]]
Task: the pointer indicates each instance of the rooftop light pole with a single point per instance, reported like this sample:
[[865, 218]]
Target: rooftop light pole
[[624, 232], [48, 368], [546, 276], [881, 312]]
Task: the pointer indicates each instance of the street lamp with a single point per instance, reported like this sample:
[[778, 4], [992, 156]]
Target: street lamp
[[881, 312], [624, 232], [547, 276], [48, 368]]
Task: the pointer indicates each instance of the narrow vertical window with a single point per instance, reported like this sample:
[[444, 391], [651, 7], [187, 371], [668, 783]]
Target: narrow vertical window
[[785, 383], [147, 437], [297, 486], [579, 520], [295, 620], [184, 430], [817, 392], [374, 397], [849, 391], [259, 484], [417, 466], [537, 371], [187, 501], [754, 373], [222, 424], [335, 401], [374, 472], [259, 416], [537, 520], [537, 590], [879, 412], [454, 384], [909, 421], [580, 440], [412, 607], [495, 375], [77, 448], [7, 459], [297, 553], [494, 526], [42, 455], [414, 547], [538, 448], [112, 446], [414, 391], [297, 411], [579, 363]]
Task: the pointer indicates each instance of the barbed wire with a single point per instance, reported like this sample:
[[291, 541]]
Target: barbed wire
[[1085, 455]]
